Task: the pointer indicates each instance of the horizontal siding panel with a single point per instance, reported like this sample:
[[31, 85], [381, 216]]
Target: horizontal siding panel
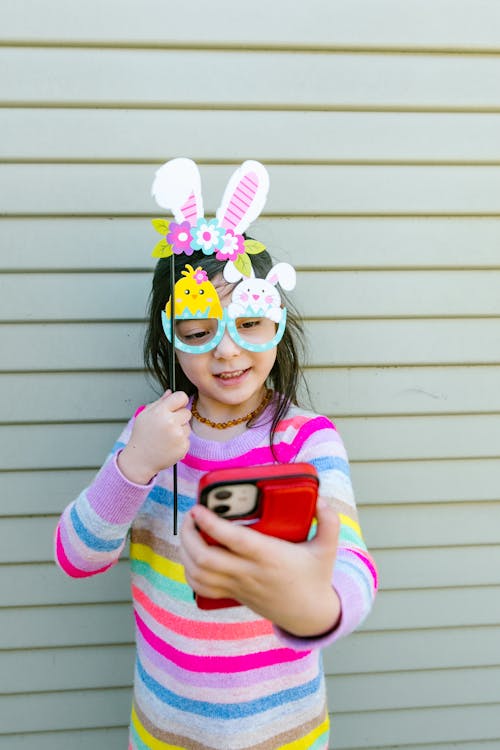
[[347, 294], [438, 568], [43, 583], [431, 725], [337, 23], [389, 651], [37, 397], [367, 439], [386, 691], [404, 390], [118, 189], [435, 608], [266, 79], [67, 625], [90, 739], [126, 243], [116, 346], [45, 670], [56, 134], [31, 539], [41, 712], [401, 482]]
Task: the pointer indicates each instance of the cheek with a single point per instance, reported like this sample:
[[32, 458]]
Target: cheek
[[269, 299]]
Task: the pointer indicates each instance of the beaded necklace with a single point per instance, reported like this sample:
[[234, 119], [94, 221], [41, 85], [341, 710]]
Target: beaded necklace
[[232, 422]]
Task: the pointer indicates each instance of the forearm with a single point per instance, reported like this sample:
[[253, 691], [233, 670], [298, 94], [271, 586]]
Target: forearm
[[92, 530]]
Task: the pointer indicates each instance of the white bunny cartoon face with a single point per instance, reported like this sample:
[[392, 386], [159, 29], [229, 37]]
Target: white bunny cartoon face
[[260, 297]]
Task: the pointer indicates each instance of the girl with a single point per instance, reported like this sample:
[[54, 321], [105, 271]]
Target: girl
[[247, 676]]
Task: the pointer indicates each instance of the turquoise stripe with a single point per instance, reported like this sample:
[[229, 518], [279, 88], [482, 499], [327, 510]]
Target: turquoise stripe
[[89, 539], [139, 744], [347, 534], [180, 591], [227, 711], [321, 742]]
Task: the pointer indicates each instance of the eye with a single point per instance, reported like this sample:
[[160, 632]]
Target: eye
[[202, 291], [186, 291]]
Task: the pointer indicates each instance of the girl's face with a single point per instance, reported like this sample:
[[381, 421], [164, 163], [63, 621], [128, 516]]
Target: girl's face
[[230, 380]]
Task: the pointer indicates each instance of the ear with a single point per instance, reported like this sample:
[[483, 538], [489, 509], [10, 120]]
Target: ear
[[284, 274], [244, 197], [232, 275], [177, 187]]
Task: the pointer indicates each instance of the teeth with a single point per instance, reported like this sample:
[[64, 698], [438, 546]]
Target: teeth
[[228, 375]]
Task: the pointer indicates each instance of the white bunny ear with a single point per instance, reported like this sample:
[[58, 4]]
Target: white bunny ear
[[177, 187], [283, 274], [232, 275], [244, 197]]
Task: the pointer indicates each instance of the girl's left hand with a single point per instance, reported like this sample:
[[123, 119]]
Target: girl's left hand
[[289, 584]]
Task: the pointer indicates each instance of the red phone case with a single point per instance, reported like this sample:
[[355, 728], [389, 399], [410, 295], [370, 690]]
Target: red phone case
[[284, 507]]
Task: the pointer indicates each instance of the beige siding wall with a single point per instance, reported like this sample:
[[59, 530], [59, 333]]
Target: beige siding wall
[[380, 124]]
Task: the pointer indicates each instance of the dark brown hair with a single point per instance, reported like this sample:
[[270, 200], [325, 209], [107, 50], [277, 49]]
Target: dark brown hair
[[285, 375]]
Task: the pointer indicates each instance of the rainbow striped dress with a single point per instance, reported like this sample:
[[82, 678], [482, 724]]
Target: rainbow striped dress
[[224, 679]]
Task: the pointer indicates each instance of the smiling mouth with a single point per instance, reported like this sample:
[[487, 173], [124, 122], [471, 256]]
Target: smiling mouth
[[231, 375]]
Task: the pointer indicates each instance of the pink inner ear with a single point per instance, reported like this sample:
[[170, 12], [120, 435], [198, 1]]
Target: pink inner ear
[[273, 279], [189, 210], [241, 200]]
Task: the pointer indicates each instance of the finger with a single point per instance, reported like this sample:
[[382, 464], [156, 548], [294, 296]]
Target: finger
[[240, 540], [175, 401], [327, 533]]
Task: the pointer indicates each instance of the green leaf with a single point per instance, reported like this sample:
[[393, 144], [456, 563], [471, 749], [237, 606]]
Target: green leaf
[[253, 247], [161, 226], [243, 264], [162, 250]]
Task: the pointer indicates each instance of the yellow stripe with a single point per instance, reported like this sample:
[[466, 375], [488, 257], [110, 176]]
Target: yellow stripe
[[307, 741], [160, 564], [349, 522]]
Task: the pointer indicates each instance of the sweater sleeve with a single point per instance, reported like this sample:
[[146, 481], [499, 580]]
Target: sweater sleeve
[[92, 530], [354, 576]]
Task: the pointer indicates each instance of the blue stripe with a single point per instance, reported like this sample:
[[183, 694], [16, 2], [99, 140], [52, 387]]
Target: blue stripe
[[227, 710], [117, 447], [329, 463], [164, 496], [91, 541]]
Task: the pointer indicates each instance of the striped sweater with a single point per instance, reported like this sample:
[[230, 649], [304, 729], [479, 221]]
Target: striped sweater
[[225, 679]]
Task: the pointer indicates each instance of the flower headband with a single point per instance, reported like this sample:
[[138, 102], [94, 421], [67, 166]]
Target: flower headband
[[177, 187]]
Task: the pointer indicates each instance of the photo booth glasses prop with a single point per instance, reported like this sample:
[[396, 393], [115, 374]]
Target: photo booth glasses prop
[[201, 335]]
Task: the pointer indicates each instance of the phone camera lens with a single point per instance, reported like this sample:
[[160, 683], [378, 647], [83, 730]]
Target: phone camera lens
[[222, 494], [221, 510]]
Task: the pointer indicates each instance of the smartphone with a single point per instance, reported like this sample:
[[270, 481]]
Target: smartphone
[[278, 500]]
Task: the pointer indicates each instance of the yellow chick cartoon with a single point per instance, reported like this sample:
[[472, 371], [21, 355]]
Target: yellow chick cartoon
[[195, 294]]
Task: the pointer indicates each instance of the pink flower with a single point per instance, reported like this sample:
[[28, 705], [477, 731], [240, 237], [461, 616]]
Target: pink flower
[[200, 276], [179, 236], [233, 245]]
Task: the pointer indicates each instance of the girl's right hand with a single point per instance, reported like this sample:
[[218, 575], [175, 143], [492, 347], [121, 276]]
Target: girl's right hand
[[160, 438]]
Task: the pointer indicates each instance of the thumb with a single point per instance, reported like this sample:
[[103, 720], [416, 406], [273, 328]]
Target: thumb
[[327, 532]]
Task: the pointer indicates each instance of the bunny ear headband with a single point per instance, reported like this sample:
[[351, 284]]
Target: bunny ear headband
[[177, 187]]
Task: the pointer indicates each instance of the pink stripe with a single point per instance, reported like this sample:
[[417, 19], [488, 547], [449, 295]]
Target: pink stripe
[[286, 452], [368, 561], [139, 409], [68, 567], [189, 208], [298, 421], [242, 199], [223, 631], [222, 664], [234, 681]]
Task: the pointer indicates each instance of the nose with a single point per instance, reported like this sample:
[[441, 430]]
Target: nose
[[226, 348]]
